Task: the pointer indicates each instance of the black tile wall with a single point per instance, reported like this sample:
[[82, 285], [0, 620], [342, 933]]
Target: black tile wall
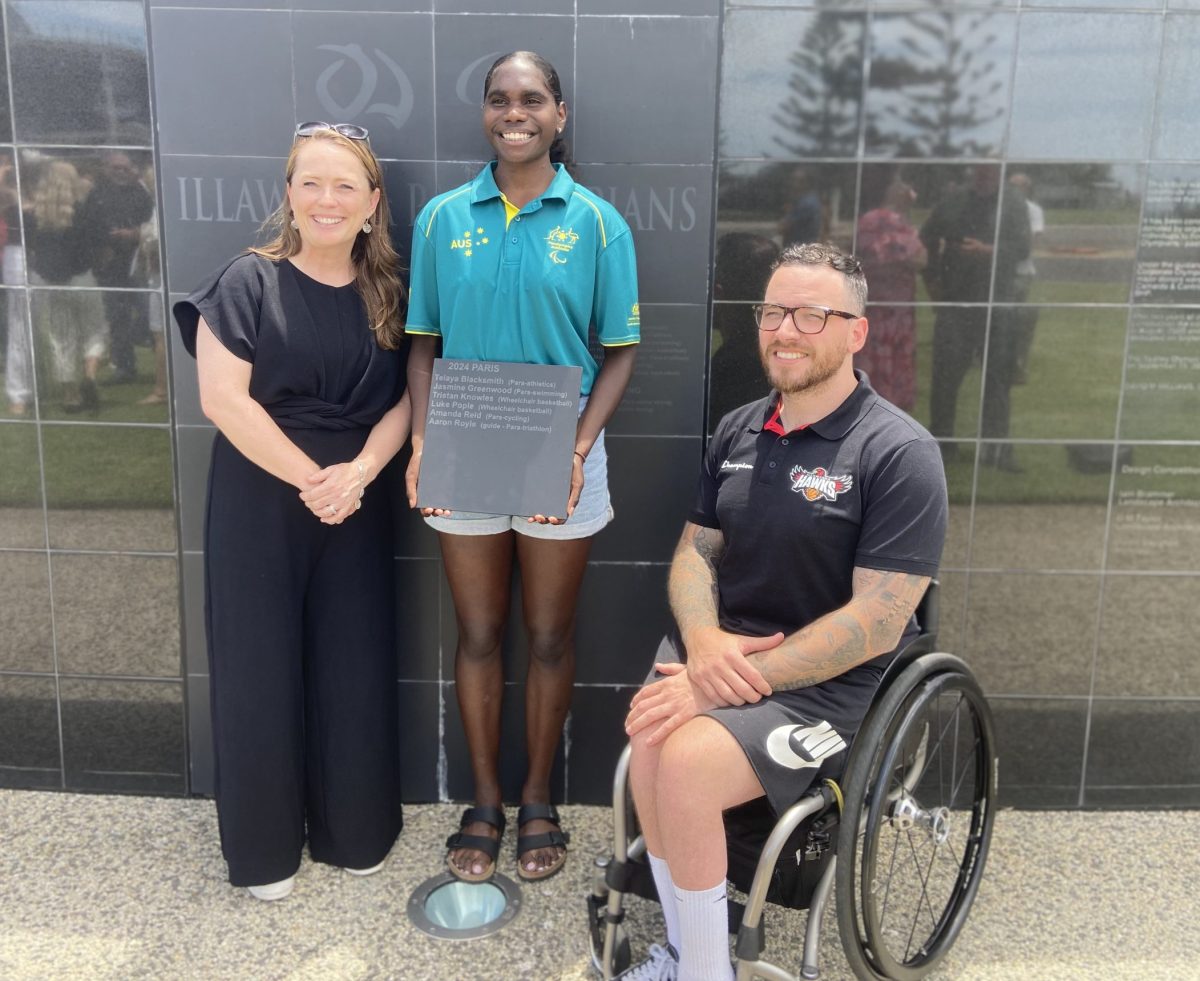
[[23, 524], [116, 614], [217, 118], [1059, 371], [29, 734], [1029, 775], [124, 736], [100, 93], [1070, 104], [1121, 772], [669, 209], [372, 69], [26, 626], [667, 62]]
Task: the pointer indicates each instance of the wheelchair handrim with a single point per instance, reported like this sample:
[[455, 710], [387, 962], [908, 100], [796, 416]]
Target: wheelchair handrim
[[960, 895]]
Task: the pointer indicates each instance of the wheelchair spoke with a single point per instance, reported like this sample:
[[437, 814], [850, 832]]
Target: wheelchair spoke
[[928, 903]]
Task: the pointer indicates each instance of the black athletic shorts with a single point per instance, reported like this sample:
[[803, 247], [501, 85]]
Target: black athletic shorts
[[793, 737]]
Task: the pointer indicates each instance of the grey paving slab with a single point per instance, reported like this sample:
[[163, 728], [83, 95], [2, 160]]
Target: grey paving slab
[[132, 887]]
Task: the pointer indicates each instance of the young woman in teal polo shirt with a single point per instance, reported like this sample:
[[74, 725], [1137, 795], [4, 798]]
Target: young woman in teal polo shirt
[[517, 265]]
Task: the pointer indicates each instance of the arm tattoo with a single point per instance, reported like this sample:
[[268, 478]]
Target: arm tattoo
[[871, 624], [695, 597], [709, 545]]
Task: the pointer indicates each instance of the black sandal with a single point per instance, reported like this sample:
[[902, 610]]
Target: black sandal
[[546, 839], [485, 813]]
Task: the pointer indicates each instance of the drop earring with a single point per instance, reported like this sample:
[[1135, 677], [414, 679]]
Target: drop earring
[[366, 227]]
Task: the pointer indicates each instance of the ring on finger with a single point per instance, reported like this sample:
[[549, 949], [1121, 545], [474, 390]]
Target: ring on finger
[[357, 505], [332, 509]]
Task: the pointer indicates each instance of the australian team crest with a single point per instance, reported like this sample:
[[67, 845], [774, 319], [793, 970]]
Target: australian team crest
[[561, 243], [819, 483]]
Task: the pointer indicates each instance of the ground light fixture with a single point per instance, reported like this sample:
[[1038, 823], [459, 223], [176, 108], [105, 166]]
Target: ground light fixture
[[449, 909]]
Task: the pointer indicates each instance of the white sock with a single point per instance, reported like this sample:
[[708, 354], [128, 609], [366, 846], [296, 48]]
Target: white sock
[[666, 894], [704, 931]]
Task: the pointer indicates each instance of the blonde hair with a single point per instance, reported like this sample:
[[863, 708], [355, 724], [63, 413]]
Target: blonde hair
[[57, 193], [376, 264]]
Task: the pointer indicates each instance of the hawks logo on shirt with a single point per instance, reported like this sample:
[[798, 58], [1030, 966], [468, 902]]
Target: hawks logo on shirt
[[819, 482]]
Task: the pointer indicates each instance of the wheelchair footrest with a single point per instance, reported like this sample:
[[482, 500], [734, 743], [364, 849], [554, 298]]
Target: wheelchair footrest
[[631, 876]]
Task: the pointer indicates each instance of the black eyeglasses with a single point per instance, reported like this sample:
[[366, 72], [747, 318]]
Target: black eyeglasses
[[808, 320], [348, 130]]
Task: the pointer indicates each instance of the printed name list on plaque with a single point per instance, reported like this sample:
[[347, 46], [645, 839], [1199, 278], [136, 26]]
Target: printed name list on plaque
[[499, 437]]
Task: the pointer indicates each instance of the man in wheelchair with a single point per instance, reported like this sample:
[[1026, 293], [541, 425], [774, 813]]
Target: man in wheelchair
[[818, 524]]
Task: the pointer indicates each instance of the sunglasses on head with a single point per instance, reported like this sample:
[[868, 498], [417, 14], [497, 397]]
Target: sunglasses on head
[[348, 130]]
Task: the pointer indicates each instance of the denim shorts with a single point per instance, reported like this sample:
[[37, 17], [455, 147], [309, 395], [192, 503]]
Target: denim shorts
[[591, 514]]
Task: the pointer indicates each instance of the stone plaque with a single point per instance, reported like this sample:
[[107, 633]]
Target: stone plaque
[[499, 437]]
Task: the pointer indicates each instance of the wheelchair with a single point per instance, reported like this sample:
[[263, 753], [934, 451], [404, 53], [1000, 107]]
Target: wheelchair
[[901, 837]]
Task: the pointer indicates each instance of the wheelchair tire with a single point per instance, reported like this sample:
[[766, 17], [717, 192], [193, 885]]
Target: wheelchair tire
[[920, 798]]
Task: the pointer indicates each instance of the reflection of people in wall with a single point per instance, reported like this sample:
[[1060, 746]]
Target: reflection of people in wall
[[742, 266], [116, 210], [145, 270], [804, 219], [18, 356], [964, 244], [892, 254], [1025, 318], [59, 244]]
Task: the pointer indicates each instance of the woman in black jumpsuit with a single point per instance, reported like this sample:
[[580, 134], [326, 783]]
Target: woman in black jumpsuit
[[301, 368]]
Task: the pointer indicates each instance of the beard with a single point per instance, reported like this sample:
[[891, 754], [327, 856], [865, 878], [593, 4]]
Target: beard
[[822, 366]]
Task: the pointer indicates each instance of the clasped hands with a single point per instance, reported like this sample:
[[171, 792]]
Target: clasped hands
[[336, 491], [716, 673], [413, 474]]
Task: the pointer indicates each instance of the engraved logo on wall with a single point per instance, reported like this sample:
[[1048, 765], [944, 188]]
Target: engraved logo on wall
[[370, 83], [464, 86]]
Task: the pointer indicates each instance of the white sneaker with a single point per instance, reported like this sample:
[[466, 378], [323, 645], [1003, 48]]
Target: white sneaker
[[273, 890], [371, 871], [661, 965]]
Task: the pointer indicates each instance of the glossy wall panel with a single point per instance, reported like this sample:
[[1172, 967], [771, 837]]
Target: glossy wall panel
[[1083, 85], [90, 662], [26, 625], [95, 50], [1021, 183], [29, 732], [1021, 180], [939, 82]]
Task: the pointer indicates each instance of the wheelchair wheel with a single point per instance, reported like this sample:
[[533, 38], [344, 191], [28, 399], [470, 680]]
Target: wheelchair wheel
[[920, 800]]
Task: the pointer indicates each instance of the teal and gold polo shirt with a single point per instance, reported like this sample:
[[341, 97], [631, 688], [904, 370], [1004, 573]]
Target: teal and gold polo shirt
[[497, 284]]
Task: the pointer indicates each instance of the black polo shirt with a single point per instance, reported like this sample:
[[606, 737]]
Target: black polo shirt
[[799, 511]]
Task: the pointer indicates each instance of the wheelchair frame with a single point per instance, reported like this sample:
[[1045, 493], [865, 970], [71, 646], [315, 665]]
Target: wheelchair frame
[[890, 763]]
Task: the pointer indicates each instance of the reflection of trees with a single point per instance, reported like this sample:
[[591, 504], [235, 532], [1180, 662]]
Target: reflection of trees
[[820, 113], [947, 87]]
